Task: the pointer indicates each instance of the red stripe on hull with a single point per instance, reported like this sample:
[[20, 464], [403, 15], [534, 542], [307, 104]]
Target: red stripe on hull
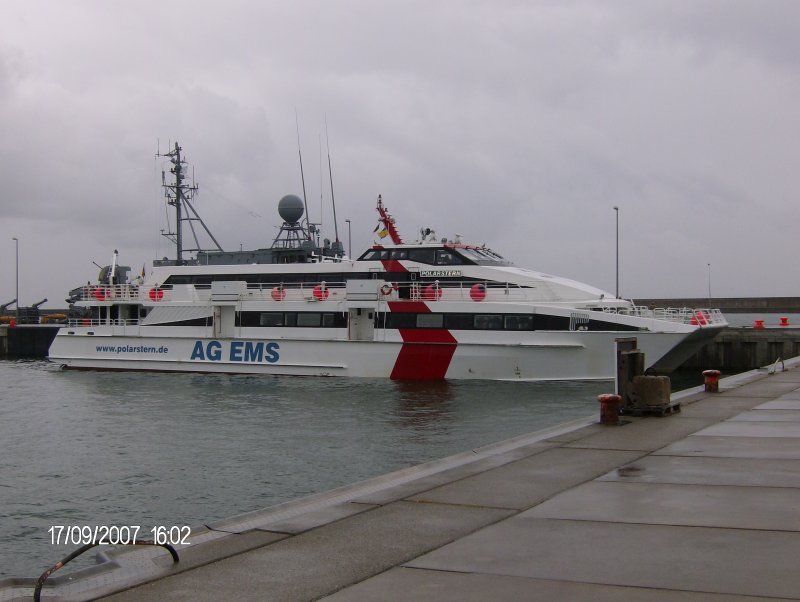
[[408, 307], [425, 354]]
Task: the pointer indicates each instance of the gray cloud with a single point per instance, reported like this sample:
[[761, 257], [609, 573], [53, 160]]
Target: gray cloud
[[517, 124]]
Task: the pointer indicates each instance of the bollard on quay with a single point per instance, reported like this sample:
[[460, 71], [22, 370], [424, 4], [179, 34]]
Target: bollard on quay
[[759, 324], [784, 321], [609, 408], [711, 380]]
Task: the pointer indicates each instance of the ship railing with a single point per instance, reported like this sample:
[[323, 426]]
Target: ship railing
[[467, 291], [277, 291], [100, 322], [682, 315], [125, 293], [110, 293]]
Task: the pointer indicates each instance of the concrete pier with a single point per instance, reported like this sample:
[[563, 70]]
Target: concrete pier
[[696, 506]]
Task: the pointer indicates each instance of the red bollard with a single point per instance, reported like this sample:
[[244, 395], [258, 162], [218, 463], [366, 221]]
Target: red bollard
[[12, 323], [609, 408], [784, 321], [759, 324], [712, 381]]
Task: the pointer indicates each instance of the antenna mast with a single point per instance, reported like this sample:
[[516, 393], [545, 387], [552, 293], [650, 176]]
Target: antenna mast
[[179, 195], [302, 177], [330, 172]]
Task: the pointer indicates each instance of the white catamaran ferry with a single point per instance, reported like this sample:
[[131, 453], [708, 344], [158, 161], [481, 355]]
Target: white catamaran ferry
[[429, 310]]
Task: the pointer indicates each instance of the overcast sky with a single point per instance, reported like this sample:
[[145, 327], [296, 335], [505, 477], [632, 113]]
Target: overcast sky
[[518, 124]]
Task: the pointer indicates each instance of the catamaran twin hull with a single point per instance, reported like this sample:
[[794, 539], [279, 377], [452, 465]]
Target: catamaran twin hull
[[415, 355]]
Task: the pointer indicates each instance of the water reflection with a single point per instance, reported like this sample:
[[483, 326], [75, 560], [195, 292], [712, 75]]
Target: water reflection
[[424, 404]]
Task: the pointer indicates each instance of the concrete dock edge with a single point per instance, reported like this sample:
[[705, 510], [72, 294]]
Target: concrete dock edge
[[699, 505]]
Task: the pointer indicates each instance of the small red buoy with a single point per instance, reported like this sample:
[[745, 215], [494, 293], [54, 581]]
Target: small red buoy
[[711, 380], [784, 321], [477, 292], [609, 408], [156, 294], [321, 292], [759, 324], [432, 292], [278, 293]]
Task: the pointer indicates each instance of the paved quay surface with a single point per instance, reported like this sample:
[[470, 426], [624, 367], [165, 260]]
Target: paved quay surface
[[700, 505]]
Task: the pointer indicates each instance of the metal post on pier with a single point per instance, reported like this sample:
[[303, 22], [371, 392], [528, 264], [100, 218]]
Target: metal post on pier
[[16, 271]]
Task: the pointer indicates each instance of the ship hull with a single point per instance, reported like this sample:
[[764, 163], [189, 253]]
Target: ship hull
[[546, 356]]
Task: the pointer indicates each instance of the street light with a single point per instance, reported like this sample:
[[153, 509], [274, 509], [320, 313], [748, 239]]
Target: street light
[[16, 248], [616, 211], [349, 240]]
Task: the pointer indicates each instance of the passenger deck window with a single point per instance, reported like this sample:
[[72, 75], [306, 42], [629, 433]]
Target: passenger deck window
[[519, 322], [488, 321], [271, 319], [310, 319], [458, 321], [429, 320]]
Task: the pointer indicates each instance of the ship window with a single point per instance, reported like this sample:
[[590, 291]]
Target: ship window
[[374, 255], [429, 320], [401, 320], [399, 254], [271, 319], [471, 254], [328, 320], [519, 322], [458, 321], [488, 321], [309, 319], [290, 319], [546, 322], [444, 257], [422, 256]]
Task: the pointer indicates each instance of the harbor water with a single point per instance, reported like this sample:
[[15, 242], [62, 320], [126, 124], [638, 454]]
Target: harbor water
[[152, 450]]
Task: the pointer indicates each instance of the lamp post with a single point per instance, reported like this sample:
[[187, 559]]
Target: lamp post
[[616, 211], [16, 271], [349, 240]]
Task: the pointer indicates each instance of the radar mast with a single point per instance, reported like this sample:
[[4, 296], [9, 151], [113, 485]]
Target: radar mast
[[179, 195]]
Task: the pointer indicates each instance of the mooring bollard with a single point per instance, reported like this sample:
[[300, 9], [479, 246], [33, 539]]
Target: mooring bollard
[[609, 408], [759, 324], [712, 381], [784, 321]]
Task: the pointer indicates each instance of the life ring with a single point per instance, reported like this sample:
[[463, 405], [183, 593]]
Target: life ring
[[278, 293], [478, 292], [387, 289], [156, 294], [100, 293], [321, 292], [432, 292]]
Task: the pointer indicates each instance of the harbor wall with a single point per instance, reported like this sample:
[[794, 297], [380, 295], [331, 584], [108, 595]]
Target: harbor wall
[[739, 349], [26, 341], [771, 305]]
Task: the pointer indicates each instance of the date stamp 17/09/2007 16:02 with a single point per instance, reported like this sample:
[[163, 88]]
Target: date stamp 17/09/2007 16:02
[[112, 535]]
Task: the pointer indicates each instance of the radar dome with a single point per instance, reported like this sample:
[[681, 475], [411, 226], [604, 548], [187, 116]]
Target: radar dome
[[290, 208]]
